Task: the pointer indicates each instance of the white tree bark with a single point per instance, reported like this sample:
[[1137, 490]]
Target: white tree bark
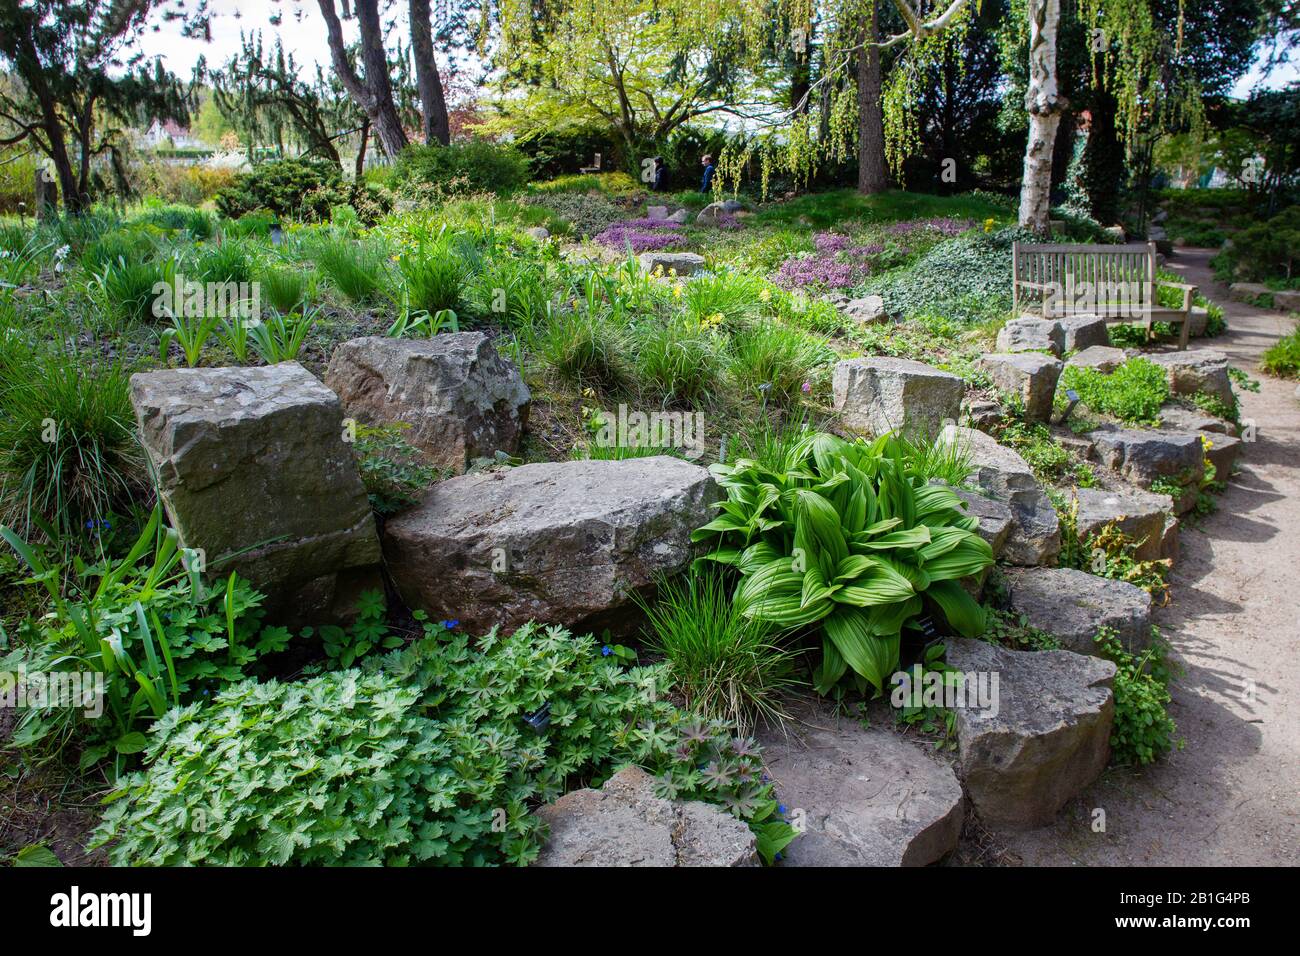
[[1044, 104]]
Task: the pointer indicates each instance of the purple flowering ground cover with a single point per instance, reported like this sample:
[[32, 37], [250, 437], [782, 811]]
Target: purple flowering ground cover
[[642, 235]]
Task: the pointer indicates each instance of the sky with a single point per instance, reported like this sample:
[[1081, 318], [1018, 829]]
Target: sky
[[303, 32]]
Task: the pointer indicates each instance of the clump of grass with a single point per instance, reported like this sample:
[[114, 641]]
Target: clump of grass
[[283, 289], [584, 348], [732, 295], [127, 288], [680, 362], [68, 453], [434, 277], [357, 269], [229, 261], [780, 360], [928, 458], [1132, 393], [1282, 358], [724, 664]]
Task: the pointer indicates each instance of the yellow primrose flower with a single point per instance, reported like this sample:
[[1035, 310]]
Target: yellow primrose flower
[[589, 393], [988, 225], [765, 295], [677, 291]]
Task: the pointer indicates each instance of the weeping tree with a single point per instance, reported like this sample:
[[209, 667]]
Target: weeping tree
[[77, 86], [265, 99]]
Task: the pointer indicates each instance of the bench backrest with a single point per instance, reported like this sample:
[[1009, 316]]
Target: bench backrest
[[1058, 279]]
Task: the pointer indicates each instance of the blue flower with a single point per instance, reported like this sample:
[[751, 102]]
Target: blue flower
[[606, 651], [777, 857], [780, 808], [449, 625]]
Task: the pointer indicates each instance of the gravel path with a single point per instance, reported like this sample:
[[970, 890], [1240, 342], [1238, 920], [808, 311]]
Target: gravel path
[[1231, 796]]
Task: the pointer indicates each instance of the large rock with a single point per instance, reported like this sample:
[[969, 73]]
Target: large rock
[[1030, 376], [866, 310], [1035, 536], [995, 518], [1287, 301], [1197, 370], [1047, 738], [1083, 331], [1031, 334], [461, 399], [1142, 455], [1140, 516], [625, 824], [1074, 605], [567, 543], [881, 394], [714, 211], [253, 471], [1103, 358], [867, 796], [672, 263], [1179, 419]]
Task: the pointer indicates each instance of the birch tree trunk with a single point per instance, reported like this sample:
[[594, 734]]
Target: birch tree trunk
[[1044, 104]]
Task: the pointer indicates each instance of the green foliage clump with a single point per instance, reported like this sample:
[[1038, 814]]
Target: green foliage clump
[[1282, 358], [964, 278], [587, 213], [435, 755], [776, 359], [280, 187], [1143, 730], [474, 166], [1267, 249], [1132, 393], [678, 360], [848, 536], [1109, 553], [724, 664], [358, 269], [68, 452], [393, 471]]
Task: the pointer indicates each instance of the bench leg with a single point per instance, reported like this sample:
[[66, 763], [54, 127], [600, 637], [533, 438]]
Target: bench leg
[[1182, 334]]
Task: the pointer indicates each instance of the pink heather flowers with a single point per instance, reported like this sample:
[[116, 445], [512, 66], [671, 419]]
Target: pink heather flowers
[[643, 235], [839, 264]]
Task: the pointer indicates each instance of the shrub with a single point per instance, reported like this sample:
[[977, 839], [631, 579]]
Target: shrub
[[1283, 356], [586, 214], [280, 186], [724, 664], [843, 536], [436, 755], [1132, 393], [965, 278], [68, 453], [1264, 250], [196, 222], [474, 166]]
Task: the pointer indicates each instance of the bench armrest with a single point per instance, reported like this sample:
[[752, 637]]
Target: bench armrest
[[1188, 291]]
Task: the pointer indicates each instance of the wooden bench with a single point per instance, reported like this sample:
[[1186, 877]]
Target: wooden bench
[[1119, 283]]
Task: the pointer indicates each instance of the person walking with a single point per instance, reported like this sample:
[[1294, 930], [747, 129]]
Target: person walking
[[707, 183], [660, 181]]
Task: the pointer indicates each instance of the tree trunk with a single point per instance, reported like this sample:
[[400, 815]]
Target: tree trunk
[[374, 95], [433, 106], [871, 124], [361, 150], [1044, 103]]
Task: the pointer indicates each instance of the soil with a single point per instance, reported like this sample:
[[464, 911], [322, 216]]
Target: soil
[[1231, 794]]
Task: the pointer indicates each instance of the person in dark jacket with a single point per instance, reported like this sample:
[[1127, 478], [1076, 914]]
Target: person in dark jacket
[[707, 183], [660, 181]]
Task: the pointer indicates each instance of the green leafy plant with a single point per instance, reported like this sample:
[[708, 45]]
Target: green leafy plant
[[344, 646], [683, 363], [393, 471], [1282, 358], [435, 754], [1143, 730], [1109, 553], [279, 337], [126, 287], [1132, 393], [844, 536], [433, 275], [724, 663], [357, 269], [191, 333]]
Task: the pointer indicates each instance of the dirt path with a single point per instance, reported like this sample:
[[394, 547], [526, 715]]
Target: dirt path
[[1232, 794]]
